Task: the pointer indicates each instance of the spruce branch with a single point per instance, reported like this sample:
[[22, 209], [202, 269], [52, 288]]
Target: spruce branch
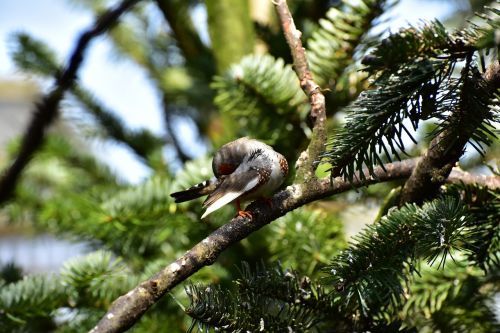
[[128, 308], [447, 147], [437, 299], [371, 273], [308, 159], [375, 120], [267, 299], [331, 48], [46, 110], [263, 92]]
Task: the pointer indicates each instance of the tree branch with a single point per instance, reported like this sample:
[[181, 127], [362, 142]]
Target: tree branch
[[167, 114], [46, 110], [445, 149], [127, 309], [459, 176], [306, 164]]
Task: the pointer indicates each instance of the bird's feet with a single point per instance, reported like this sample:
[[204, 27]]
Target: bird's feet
[[244, 214]]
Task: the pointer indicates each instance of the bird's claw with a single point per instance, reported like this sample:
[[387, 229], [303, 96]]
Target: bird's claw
[[244, 214]]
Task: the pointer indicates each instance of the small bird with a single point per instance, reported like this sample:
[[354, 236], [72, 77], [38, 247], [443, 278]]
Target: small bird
[[244, 169]]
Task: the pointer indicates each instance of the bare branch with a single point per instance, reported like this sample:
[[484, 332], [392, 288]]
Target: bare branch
[[459, 176], [307, 161], [127, 309], [46, 110]]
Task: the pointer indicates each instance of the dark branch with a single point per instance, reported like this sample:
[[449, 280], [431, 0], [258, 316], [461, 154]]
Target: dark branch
[[445, 149], [167, 114], [46, 110], [308, 159]]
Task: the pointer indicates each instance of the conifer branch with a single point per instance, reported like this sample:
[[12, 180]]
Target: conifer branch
[[446, 148], [308, 159], [46, 110], [127, 309]]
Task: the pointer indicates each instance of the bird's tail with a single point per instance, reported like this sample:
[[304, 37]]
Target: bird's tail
[[198, 190]]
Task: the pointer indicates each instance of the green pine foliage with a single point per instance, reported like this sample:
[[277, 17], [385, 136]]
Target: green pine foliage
[[334, 49], [414, 79], [86, 286], [417, 268], [31, 298], [332, 46], [375, 127], [369, 274], [262, 93], [281, 299], [484, 245], [308, 239], [439, 297]]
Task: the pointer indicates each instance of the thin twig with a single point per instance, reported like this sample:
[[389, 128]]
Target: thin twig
[[167, 114], [46, 110], [306, 164]]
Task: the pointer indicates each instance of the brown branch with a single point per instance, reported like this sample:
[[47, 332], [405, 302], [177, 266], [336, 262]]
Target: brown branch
[[127, 309], [46, 110], [307, 161], [445, 149], [459, 176]]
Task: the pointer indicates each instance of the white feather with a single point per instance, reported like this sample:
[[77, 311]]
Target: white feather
[[230, 196]]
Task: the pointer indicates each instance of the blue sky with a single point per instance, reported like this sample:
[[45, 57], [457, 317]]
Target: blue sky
[[121, 84]]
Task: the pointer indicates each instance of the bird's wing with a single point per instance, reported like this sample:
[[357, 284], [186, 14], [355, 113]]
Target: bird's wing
[[197, 190], [232, 187]]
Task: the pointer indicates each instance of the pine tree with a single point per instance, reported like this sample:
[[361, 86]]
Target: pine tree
[[422, 95]]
